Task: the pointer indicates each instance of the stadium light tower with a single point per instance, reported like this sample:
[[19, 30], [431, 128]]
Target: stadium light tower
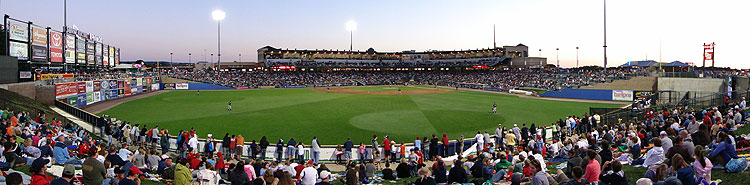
[[170, 60], [190, 57], [351, 26], [558, 57], [218, 15]]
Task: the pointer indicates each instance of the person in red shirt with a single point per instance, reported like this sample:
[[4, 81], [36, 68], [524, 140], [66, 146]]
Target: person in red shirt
[[446, 142], [219, 162], [38, 177], [387, 149], [420, 161]]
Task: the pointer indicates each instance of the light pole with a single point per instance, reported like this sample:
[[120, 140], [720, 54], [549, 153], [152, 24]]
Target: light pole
[[212, 57], [576, 56], [240, 57], [351, 26], [558, 57], [218, 15], [605, 35], [540, 52], [190, 57], [170, 60]]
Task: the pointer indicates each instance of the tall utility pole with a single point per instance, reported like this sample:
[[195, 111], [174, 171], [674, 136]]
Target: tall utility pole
[[170, 60], [605, 35], [65, 30], [576, 56], [240, 57], [558, 57], [190, 57], [212, 57], [540, 52]]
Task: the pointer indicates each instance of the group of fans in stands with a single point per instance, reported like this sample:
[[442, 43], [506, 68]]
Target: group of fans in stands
[[502, 79]]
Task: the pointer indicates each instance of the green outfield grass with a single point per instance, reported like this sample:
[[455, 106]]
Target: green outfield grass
[[304, 113]]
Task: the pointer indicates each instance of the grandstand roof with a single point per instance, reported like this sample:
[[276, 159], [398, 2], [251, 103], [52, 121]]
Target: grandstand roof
[[371, 51]]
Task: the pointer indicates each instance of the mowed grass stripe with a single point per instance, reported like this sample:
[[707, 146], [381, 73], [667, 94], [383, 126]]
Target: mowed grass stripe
[[304, 113]]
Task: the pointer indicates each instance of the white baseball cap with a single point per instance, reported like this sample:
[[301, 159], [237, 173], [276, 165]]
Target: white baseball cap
[[325, 175]]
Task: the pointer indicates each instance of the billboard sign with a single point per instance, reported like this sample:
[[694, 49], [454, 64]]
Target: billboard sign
[[81, 87], [70, 49], [81, 100], [97, 86], [181, 86], [18, 31], [81, 51], [89, 86], [38, 36], [622, 95], [98, 54], [89, 98], [63, 90], [38, 53], [169, 86], [55, 46], [19, 50], [97, 96], [105, 58], [24, 74], [90, 52]]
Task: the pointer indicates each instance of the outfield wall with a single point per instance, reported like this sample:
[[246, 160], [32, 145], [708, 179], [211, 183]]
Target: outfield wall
[[591, 94], [192, 86]]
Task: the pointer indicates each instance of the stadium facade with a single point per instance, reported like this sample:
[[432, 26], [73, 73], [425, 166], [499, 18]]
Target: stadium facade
[[506, 56]]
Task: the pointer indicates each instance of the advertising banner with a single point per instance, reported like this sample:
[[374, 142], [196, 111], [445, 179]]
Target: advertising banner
[[133, 90], [169, 86], [97, 96], [139, 89], [105, 58], [73, 100], [24, 74], [113, 84], [18, 31], [89, 86], [81, 51], [90, 53], [113, 94], [38, 53], [38, 36], [98, 54], [56, 76], [622, 95], [120, 84], [19, 50], [81, 87], [127, 89], [104, 95], [154, 87], [181, 86], [112, 56], [139, 81], [89, 98], [70, 49], [120, 93], [81, 100], [63, 90], [55, 46], [117, 56], [97, 86], [104, 84]]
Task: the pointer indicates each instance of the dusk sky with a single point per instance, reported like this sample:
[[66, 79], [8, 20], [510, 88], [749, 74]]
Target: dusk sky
[[151, 29]]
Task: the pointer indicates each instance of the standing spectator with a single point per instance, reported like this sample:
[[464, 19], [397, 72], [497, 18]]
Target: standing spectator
[[434, 147], [225, 145], [386, 149], [446, 143], [300, 152], [165, 141], [480, 141], [280, 150], [263, 146], [240, 146], [375, 147], [348, 145], [315, 147], [290, 148]]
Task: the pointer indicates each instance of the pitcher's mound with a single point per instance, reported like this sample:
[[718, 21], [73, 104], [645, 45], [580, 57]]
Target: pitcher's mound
[[346, 90]]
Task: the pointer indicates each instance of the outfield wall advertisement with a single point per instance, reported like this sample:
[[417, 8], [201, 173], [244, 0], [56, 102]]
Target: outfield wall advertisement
[[88, 92], [591, 94], [55, 46]]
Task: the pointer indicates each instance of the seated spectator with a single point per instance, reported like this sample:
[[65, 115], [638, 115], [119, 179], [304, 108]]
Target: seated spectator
[[457, 173], [577, 177], [653, 156], [403, 170], [425, 177], [724, 150], [613, 174], [387, 172], [702, 165], [61, 154], [683, 170]]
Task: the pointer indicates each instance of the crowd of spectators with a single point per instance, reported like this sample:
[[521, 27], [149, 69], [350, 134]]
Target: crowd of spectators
[[502, 79]]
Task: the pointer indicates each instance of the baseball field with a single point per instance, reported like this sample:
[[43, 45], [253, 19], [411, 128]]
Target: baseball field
[[356, 112]]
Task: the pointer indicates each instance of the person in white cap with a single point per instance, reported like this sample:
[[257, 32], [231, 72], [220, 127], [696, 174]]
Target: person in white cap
[[743, 103], [325, 177]]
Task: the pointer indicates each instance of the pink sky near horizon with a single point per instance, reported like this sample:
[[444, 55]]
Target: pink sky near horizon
[[636, 30]]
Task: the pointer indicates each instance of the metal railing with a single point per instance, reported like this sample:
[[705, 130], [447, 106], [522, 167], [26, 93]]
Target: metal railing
[[81, 114]]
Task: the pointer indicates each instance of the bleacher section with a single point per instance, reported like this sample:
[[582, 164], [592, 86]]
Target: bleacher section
[[638, 83]]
